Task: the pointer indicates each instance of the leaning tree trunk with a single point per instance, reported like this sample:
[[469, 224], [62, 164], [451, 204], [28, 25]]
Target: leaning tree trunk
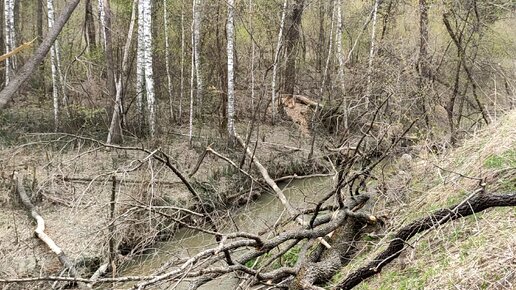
[[28, 68]]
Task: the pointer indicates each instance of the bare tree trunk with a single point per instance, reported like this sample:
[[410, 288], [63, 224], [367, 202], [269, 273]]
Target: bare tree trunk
[[28, 68], [276, 57], [167, 59], [328, 56], [149, 78], [291, 44], [89, 27], [110, 64], [182, 83], [371, 55], [231, 82], [140, 73], [340, 58], [57, 78], [253, 51], [10, 38], [197, 54], [192, 74], [2, 39], [422, 63], [115, 130]]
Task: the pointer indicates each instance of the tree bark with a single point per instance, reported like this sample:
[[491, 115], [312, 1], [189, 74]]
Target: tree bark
[[276, 58], [115, 134], [89, 27], [231, 82], [291, 44], [372, 51], [30, 66]]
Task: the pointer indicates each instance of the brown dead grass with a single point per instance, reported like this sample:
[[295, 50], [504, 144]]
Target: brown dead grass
[[477, 252]]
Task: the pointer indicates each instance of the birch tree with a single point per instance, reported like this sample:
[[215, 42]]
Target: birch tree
[[167, 58], [10, 37], [147, 55], [197, 54], [140, 74], [371, 55], [55, 64], [144, 71], [340, 59], [276, 57], [231, 83], [182, 73]]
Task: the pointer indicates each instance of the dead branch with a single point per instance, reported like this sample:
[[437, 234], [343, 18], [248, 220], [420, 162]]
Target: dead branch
[[40, 225], [477, 203]]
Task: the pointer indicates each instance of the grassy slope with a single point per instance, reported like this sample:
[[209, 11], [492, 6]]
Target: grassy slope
[[477, 252]]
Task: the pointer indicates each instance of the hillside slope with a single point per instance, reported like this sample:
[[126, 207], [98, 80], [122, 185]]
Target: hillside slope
[[477, 252]]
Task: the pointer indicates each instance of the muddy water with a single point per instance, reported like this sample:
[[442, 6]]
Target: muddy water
[[257, 216]]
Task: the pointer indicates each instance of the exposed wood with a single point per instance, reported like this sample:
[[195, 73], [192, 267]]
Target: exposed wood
[[40, 225], [17, 50], [289, 99]]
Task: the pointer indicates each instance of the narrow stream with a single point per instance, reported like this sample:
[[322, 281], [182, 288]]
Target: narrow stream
[[258, 215]]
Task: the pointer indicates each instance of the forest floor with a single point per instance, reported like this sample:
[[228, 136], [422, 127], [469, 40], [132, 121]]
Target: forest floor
[[478, 252], [76, 212]]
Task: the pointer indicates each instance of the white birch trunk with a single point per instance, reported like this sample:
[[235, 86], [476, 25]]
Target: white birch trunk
[[140, 74], [276, 56], [182, 83], [115, 126], [10, 38], [328, 58], [167, 58], [197, 54], [253, 50], [371, 55], [192, 75], [149, 78], [231, 84], [53, 65], [102, 19], [340, 58]]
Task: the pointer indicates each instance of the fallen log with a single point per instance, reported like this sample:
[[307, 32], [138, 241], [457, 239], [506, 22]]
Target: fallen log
[[477, 202], [40, 226]]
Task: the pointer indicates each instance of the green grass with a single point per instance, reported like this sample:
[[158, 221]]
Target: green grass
[[504, 160]]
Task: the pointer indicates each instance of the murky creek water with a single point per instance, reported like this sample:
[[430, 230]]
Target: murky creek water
[[258, 215]]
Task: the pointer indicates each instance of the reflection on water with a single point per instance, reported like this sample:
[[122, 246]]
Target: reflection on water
[[258, 215]]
